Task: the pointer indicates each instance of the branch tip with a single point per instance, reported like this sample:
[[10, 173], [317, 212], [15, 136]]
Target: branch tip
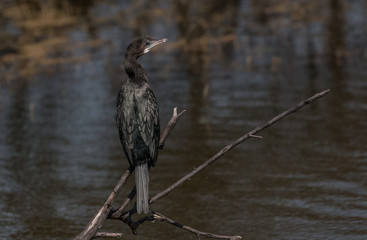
[[182, 112], [236, 237], [174, 112], [107, 234], [157, 217], [198, 234], [255, 136]]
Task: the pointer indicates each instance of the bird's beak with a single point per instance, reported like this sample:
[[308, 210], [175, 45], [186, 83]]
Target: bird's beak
[[154, 43]]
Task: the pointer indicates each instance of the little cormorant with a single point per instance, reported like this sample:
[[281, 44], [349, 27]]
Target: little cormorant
[[137, 118]]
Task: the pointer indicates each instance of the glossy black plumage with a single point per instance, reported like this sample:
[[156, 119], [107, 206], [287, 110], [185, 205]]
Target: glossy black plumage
[[138, 123], [137, 117]]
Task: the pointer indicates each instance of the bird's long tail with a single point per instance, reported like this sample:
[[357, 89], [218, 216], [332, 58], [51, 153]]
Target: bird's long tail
[[142, 188]]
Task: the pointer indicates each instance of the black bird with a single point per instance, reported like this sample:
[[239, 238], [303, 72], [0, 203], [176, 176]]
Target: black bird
[[137, 118]]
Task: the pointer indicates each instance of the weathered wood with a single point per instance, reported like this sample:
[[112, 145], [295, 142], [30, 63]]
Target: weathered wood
[[248, 135], [125, 215], [160, 217], [100, 217]]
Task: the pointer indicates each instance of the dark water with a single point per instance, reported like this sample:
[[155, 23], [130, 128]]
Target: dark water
[[233, 65]]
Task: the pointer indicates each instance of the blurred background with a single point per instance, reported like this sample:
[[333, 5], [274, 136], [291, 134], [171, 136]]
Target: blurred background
[[232, 65]]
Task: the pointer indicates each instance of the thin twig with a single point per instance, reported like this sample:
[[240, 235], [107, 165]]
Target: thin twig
[[256, 136], [235, 143], [170, 125], [107, 234], [160, 217]]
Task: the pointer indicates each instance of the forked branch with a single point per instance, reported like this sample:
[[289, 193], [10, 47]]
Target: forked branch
[[248, 135], [160, 217], [170, 125], [121, 214], [100, 217]]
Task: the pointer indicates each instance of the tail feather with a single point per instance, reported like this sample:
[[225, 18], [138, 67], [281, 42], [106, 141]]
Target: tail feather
[[142, 188]]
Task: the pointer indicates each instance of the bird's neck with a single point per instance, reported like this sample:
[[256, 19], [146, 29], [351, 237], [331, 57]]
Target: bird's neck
[[135, 71]]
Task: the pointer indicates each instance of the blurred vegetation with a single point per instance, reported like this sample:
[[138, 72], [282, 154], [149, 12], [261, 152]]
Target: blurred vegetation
[[39, 35]]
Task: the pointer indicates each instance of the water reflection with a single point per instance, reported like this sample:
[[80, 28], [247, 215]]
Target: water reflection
[[232, 65]]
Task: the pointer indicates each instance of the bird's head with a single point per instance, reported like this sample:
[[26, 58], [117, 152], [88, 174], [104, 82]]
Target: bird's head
[[142, 46]]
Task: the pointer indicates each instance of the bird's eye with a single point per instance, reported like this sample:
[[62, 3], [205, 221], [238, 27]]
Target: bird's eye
[[147, 43]]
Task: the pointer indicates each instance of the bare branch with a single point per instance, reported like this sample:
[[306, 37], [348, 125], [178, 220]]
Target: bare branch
[[101, 216], [119, 212], [106, 234], [255, 136], [160, 217], [106, 210], [170, 125], [235, 143]]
